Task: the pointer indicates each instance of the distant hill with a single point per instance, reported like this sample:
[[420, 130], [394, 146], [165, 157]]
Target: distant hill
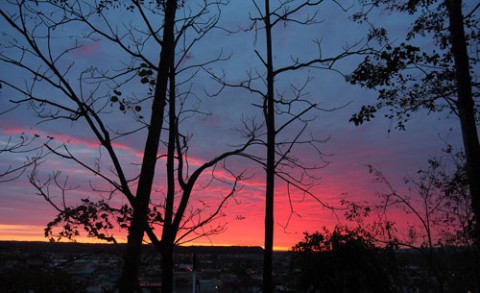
[[75, 247]]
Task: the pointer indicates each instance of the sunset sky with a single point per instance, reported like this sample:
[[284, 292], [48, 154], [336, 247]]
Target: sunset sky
[[347, 152]]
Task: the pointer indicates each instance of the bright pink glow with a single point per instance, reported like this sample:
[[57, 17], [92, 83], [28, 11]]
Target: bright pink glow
[[295, 213], [345, 177]]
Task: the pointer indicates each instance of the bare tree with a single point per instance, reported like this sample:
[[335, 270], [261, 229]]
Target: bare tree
[[294, 108], [89, 97]]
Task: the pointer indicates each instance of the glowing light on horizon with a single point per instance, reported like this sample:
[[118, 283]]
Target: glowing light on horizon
[[35, 233]]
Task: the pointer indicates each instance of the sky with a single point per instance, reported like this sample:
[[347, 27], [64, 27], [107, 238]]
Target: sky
[[347, 150]]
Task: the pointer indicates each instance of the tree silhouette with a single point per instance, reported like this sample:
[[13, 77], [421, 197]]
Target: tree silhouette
[[295, 109], [410, 77], [437, 204], [91, 97], [344, 260]]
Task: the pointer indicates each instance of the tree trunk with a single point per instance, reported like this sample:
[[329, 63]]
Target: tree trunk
[[466, 105], [167, 267], [128, 281], [269, 113], [168, 233]]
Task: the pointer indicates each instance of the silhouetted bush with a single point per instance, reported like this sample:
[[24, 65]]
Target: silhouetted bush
[[31, 280], [342, 261]]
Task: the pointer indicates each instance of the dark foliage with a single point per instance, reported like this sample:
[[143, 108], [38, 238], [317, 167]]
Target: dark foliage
[[96, 218], [410, 76], [31, 280], [342, 261]]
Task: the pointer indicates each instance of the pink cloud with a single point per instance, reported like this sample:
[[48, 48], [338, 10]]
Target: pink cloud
[[88, 49], [69, 139], [14, 130]]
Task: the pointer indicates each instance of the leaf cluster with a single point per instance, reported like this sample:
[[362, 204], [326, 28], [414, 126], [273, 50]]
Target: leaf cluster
[[123, 104], [94, 217], [413, 76]]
